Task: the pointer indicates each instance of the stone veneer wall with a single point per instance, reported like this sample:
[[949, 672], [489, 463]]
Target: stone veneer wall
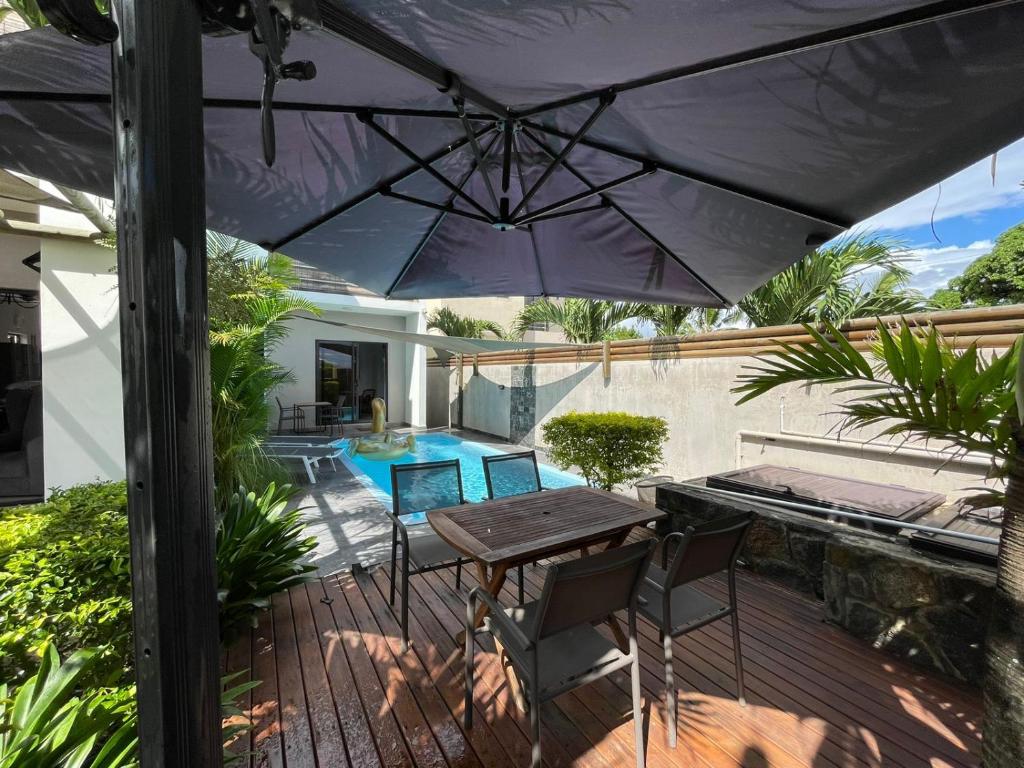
[[927, 609], [523, 410]]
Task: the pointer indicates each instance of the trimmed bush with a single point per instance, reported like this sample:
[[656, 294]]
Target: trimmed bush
[[609, 449]]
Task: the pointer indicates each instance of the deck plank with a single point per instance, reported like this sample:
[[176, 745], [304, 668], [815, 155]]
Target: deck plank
[[335, 686]]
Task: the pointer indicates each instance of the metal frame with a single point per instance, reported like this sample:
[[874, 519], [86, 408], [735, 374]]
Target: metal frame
[[668, 631]]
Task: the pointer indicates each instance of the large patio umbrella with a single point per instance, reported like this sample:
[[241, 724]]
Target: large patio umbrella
[[678, 152]]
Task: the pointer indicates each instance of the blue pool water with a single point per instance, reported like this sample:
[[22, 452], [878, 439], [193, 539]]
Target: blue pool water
[[376, 475]]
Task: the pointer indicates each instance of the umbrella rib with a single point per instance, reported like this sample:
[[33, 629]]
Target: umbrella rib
[[343, 23], [433, 227], [449, 208], [605, 101], [364, 196], [700, 178], [460, 107], [633, 222], [513, 145], [534, 219], [543, 213], [926, 14], [367, 119]]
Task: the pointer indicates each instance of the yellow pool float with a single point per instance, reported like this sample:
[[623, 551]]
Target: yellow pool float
[[381, 444]]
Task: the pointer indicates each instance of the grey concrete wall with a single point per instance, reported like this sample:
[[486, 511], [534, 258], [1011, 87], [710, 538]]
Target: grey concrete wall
[[792, 426], [438, 407]]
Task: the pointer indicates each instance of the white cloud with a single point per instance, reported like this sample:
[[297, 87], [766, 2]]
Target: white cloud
[[969, 192], [937, 265]]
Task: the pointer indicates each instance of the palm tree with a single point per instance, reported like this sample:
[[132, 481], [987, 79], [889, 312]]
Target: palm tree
[[921, 388], [672, 319], [250, 304], [829, 284], [583, 321], [451, 323]]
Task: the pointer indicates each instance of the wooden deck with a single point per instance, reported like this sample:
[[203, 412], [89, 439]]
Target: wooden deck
[[336, 691]]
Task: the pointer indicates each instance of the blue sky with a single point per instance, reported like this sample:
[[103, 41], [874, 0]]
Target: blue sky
[[970, 213]]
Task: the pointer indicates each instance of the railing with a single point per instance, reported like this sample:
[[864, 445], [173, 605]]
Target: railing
[[992, 327]]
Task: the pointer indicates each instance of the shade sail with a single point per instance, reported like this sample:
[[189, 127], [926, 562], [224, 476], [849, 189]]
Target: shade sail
[[456, 344], [698, 148]]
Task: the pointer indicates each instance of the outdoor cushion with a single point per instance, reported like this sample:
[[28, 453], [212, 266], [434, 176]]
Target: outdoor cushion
[[430, 549], [565, 659], [689, 604]]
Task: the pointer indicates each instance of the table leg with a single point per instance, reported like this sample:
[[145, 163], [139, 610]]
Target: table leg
[[493, 585]]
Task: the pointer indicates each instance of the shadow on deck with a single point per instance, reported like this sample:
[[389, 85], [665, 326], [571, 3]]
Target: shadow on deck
[[336, 691]]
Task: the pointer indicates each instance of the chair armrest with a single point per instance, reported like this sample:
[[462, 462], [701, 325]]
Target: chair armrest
[[498, 616], [399, 526]]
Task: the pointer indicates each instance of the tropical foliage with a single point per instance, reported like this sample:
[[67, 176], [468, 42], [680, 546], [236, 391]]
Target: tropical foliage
[[998, 276], [919, 386], [671, 319], [260, 551], [451, 323], [27, 10], [609, 449], [251, 302], [50, 723], [583, 321], [856, 276]]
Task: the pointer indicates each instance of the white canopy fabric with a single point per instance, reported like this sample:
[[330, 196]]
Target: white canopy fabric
[[13, 188], [454, 344]]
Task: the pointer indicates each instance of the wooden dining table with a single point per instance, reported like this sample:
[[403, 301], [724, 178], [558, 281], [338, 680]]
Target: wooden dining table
[[504, 533]]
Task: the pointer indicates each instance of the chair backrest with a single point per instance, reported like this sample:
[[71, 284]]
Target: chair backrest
[[709, 548], [417, 488], [590, 589], [510, 474]]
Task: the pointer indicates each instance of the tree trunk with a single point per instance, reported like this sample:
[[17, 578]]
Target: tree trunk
[[1004, 683]]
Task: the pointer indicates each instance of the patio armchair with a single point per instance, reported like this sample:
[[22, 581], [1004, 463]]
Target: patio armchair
[[415, 490], [290, 414], [552, 643], [670, 602], [511, 474]]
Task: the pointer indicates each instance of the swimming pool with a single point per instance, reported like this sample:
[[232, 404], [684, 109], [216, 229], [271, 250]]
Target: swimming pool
[[376, 475]]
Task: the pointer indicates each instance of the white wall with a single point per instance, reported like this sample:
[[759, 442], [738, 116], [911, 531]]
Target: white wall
[[406, 367], [708, 433], [81, 351]]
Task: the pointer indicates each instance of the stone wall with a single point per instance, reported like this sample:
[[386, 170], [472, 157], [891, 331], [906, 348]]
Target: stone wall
[[925, 608]]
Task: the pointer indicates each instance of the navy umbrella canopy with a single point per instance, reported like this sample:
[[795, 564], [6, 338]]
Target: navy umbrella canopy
[[677, 151]]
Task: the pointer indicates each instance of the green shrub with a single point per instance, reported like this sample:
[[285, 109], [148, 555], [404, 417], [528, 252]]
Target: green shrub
[[259, 553], [65, 578], [608, 448]]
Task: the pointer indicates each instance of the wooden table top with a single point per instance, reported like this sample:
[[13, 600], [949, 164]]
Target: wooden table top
[[521, 528]]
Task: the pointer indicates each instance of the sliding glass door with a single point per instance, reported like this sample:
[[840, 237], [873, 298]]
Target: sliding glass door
[[350, 374]]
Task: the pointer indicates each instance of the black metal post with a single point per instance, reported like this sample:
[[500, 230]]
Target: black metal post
[[158, 117]]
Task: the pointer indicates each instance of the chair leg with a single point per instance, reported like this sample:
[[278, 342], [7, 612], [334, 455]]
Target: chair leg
[[394, 556], [738, 656], [638, 713], [458, 574], [467, 713], [405, 600], [522, 593], [670, 690], [535, 761]]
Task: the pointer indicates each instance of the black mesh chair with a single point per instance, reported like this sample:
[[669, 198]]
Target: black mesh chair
[[668, 600], [510, 474], [290, 414], [415, 490], [552, 643]]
